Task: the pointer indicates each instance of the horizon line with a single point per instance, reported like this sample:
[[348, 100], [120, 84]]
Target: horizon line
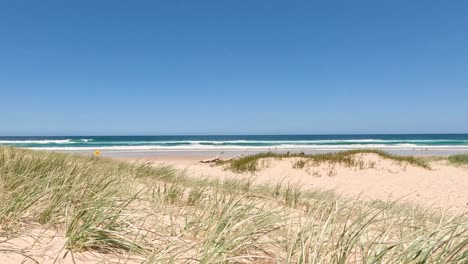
[[267, 134]]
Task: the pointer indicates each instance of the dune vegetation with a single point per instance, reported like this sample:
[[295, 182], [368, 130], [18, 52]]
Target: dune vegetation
[[160, 215], [251, 163], [460, 159]]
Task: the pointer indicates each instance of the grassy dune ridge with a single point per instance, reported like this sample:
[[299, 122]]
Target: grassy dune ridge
[[160, 215], [251, 163]]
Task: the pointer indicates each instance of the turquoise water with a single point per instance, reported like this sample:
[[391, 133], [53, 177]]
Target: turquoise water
[[239, 142]]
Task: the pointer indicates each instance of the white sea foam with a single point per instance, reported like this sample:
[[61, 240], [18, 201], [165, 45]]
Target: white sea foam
[[45, 141], [272, 142], [284, 146], [336, 141], [86, 144]]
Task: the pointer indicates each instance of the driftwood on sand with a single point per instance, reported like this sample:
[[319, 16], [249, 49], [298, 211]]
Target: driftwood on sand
[[217, 158]]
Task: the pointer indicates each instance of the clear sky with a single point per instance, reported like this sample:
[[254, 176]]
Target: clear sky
[[233, 67]]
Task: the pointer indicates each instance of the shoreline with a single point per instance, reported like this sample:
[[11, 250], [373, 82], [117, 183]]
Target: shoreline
[[226, 152]]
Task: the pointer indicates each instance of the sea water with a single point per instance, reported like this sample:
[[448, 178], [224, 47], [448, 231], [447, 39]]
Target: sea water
[[241, 142]]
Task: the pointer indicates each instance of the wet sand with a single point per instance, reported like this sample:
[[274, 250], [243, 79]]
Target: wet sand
[[417, 151]]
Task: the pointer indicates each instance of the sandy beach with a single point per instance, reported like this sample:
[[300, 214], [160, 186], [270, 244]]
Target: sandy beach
[[443, 186], [170, 209]]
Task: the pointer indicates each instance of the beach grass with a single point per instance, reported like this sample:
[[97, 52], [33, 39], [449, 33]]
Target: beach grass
[[460, 159], [251, 163], [161, 215]]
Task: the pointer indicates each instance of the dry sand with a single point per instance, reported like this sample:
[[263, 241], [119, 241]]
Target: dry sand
[[444, 186], [38, 245]]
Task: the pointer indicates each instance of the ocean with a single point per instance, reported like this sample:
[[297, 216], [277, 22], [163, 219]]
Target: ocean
[[242, 142]]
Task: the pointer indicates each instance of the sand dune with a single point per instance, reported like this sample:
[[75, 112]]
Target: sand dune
[[61, 208], [442, 186]]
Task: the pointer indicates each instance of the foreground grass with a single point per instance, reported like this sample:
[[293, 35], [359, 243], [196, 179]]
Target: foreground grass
[[460, 159], [251, 163], [163, 216]]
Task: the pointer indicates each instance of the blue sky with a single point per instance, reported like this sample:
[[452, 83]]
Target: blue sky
[[233, 67]]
